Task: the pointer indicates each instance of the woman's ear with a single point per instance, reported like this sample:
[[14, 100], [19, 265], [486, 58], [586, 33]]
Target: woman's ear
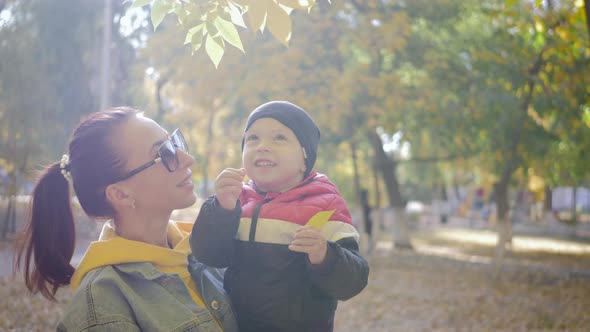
[[119, 197]]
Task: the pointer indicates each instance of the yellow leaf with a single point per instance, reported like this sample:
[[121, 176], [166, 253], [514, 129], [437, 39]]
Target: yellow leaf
[[257, 14], [278, 23], [320, 219]]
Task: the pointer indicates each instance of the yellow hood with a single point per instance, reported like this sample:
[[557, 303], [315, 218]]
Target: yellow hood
[[112, 249]]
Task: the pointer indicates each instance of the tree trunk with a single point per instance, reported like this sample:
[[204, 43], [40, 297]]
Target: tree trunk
[[503, 222], [548, 203], [105, 87], [356, 181], [587, 10], [377, 190], [9, 223], [574, 203], [357, 189], [160, 83], [501, 188], [387, 168], [207, 157], [401, 229], [548, 215]]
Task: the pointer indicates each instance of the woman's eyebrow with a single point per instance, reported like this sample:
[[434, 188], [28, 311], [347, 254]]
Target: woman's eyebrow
[[157, 144]]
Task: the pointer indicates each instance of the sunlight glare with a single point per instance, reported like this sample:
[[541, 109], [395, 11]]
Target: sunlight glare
[[519, 243]]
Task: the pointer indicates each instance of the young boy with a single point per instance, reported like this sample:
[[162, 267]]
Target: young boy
[[286, 236]]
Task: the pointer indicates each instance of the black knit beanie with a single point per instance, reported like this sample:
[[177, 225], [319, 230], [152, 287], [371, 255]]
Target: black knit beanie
[[296, 119]]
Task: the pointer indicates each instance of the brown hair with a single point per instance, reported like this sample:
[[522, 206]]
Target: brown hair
[[49, 239]]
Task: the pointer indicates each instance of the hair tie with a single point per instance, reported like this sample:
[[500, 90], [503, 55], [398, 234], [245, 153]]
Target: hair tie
[[64, 165]]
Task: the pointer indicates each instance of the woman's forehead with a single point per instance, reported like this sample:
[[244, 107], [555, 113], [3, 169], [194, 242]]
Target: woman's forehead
[[138, 135]]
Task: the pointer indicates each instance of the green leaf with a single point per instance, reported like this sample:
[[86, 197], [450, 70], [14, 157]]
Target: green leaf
[[211, 29], [586, 116], [159, 10], [181, 13], [197, 41], [224, 13], [539, 41], [139, 3], [237, 17], [189, 34], [215, 49], [510, 3], [279, 23], [229, 32]]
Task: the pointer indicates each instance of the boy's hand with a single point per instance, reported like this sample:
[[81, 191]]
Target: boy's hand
[[310, 240], [228, 186]]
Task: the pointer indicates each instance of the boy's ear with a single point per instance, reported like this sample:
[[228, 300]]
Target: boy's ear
[[119, 197], [304, 167]]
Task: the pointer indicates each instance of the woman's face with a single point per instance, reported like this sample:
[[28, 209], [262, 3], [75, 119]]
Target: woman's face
[[155, 189]]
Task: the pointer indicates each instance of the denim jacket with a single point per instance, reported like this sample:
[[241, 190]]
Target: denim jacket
[[138, 297]]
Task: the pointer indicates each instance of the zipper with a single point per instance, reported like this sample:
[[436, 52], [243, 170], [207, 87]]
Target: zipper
[[252, 235]]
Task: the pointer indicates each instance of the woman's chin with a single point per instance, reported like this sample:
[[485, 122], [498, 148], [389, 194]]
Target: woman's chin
[[188, 201]]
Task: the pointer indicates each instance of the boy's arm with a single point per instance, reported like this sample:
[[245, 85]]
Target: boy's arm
[[212, 238], [344, 273]]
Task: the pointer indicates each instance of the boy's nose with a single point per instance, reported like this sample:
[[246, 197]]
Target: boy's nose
[[262, 146]]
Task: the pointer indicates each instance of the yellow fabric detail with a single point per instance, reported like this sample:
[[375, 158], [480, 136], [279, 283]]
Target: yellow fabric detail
[[112, 249]]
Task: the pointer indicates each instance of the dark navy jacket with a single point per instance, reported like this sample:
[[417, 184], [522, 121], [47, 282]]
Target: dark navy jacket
[[271, 287]]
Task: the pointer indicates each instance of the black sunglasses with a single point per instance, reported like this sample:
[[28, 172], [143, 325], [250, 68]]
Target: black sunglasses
[[166, 154]]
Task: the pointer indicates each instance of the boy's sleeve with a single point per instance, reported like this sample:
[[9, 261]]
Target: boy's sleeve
[[213, 235], [344, 273]]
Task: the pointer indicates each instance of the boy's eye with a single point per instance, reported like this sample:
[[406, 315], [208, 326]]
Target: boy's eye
[[251, 138], [280, 137]]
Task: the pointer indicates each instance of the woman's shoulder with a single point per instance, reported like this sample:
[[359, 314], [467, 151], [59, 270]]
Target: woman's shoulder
[[98, 300]]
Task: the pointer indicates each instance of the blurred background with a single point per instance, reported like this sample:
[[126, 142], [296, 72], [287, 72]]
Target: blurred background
[[457, 131]]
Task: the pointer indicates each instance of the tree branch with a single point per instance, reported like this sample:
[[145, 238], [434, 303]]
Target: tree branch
[[587, 9], [434, 159]]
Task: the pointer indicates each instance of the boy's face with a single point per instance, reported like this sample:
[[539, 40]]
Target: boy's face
[[272, 156]]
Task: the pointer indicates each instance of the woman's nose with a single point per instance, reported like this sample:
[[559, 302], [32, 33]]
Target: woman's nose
[[186, 159]]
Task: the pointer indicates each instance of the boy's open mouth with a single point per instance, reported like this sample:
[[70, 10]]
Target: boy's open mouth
[[264, 163]]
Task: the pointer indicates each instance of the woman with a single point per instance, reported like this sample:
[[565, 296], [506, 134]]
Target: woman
[[126, 169]]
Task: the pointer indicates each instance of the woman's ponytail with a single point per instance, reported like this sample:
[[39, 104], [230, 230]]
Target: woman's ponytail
[[92, 163], [48, 242]]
